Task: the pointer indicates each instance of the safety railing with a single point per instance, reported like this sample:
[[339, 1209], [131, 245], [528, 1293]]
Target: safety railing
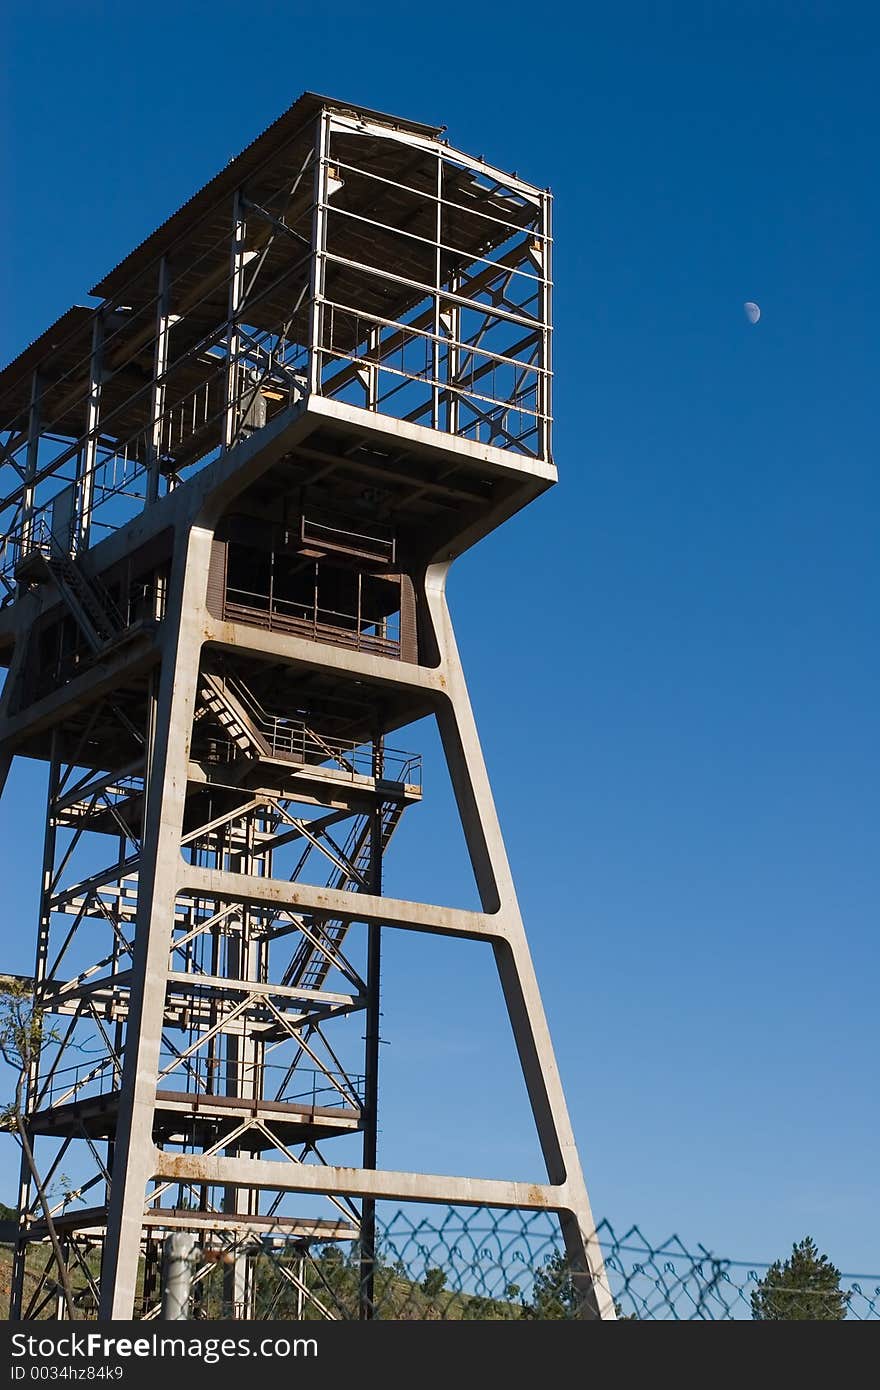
[[424, 297], [434, 378], [307, 1087], [94, 1077], [111, 468], [275, 1084], [380, 636], [295, 739]]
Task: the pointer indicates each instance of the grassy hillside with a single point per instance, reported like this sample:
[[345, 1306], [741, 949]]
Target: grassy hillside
[[332, 1280]]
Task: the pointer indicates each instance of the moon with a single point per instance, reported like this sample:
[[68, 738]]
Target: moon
[[752, 311]]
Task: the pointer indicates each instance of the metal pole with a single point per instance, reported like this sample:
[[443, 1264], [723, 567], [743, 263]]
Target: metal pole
[[177, 1267], [316, 269], [371, 1050], [32, 457], [438, 281], [89, 454], [238, 260], [40, 967], [160, 367], [545, 378]]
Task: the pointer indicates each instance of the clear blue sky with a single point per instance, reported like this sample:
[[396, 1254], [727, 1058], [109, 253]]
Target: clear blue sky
[[674, 656]]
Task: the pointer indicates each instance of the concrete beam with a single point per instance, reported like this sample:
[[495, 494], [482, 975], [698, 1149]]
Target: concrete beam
[[337, 903], [379, 1184]]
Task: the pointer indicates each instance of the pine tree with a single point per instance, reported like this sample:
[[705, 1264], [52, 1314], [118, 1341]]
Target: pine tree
[[555, 1295], [806, 1286]]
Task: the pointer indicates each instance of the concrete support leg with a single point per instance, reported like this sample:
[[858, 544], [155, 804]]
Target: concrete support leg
[[159, 873]]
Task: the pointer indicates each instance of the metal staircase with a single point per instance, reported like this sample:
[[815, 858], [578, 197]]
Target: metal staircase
[[257, 734], [310, 966], [97, 615], [221, 700], [94, 611]]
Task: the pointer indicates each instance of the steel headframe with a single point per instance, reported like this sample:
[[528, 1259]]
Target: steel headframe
[[232, 496]]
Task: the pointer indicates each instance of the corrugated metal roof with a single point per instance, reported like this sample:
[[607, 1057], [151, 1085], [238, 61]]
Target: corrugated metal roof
[[75, 323], [279, 133], [72, 330]]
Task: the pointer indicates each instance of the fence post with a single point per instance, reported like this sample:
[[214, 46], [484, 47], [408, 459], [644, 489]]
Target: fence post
[[177, 1267]]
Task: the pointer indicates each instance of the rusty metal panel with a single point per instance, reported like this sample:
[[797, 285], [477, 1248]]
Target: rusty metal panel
[[409, 644], [216, 596]]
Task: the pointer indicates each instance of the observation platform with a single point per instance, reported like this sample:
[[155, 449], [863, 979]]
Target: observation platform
[[351, 307], [158, 1221], [203, 1120], [336, 357]]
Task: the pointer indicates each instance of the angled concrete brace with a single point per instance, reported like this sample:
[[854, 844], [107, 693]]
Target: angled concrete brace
[[485, 843]]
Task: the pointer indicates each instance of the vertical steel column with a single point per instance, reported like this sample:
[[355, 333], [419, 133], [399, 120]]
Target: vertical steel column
[[152, 1269], [453, 357], [160, 367], [236, 294], [60, 1306], [316, 270], [435, 321], [371, 1047], [545, 378], [372, 368], [119, 1026], [30, 469], [50, 836], [243, 1075], [89, 454]]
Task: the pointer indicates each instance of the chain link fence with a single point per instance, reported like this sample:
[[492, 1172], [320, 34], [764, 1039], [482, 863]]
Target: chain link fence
[[471, 1264], [478, 1264]]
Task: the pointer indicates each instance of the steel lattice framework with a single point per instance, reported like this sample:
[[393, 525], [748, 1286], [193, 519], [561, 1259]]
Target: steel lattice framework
[[231, 496]]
